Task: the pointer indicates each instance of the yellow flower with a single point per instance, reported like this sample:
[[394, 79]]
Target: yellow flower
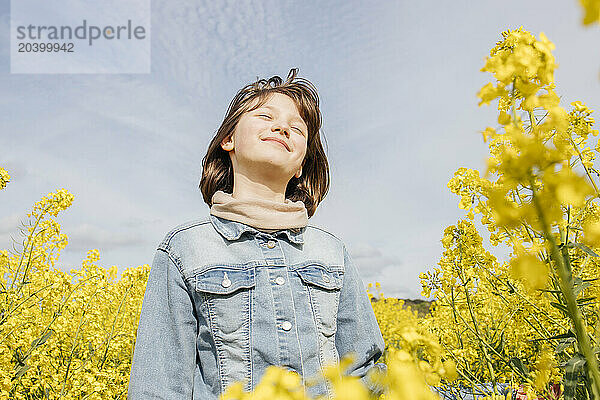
[[487, 133], [591, 233], [350, 388], [543, 369], [4, 178], [569, 187], [591, 10], [449, 372], [529, 269], [405, 381], [504, 118], [489, 92], [505, 212]]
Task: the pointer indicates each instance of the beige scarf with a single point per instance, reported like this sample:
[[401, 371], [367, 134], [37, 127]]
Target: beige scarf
[[262, 214]]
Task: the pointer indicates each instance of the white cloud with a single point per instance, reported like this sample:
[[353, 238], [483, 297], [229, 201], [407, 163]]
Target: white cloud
[[374, 265], [11, 223], [88, 236]]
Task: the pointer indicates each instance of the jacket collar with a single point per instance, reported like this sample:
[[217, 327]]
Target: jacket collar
[[232, 230]]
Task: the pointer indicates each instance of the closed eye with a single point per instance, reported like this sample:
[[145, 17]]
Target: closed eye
[[298, 129], [264, 115]]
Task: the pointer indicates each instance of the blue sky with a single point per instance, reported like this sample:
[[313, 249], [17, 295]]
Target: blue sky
[[397, 81]]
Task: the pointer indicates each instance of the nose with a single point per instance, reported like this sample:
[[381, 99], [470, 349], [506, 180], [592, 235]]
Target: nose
[[281, 127]]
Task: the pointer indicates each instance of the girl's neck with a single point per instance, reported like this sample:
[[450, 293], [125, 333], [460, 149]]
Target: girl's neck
[[249, 187]]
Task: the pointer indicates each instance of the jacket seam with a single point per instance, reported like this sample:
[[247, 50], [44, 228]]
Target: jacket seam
[[231, 266], [324, 231], [247, 342], [251, 336], [176, 261], [188, 225], [317, 321], [218, 344]]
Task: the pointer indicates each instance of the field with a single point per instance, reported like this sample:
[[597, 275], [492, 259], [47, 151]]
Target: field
[[526, 328]]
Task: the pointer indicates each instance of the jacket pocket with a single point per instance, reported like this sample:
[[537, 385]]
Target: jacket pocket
[[224, 280], [323, 285], [320, 276]]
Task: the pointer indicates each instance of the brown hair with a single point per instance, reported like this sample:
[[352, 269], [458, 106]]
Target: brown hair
[[313, 184]]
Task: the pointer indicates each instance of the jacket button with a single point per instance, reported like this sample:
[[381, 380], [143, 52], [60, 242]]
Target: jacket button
[[279, 280], [286, 325], [226, 282], [271, 244], [326, 279]]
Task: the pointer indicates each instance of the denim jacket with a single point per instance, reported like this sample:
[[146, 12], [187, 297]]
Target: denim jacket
[[224, 301]]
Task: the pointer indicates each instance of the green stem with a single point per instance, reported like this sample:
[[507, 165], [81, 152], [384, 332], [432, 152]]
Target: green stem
[[27, 243], [458, 334], [476, 326], [587, 172], [566, 287]]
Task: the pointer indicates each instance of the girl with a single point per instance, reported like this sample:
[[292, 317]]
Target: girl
[[253, 284]]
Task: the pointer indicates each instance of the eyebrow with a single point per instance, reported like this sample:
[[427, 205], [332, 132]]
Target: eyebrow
[[273, 109]]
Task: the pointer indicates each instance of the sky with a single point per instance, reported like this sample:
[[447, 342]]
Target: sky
[[397, 82]]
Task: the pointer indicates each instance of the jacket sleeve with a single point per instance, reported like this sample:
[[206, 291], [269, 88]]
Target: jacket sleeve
[[164, 358], [357, 327]]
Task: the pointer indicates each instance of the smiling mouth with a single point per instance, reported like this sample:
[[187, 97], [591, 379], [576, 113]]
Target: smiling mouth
[[277, 141]]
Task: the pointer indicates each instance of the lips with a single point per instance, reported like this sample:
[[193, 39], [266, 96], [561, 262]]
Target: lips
[[278, 140]]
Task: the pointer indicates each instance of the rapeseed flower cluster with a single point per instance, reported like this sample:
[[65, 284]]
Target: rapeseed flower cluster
[[531, 321], [402, 329], [64, 335]]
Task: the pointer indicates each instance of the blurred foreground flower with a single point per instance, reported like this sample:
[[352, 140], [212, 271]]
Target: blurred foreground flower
[[591, 9]]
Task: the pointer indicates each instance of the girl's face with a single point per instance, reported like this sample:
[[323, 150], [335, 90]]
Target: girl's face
[[269, 141]]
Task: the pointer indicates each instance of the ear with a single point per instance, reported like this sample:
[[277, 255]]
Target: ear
[[227, 143], [299, 173]]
